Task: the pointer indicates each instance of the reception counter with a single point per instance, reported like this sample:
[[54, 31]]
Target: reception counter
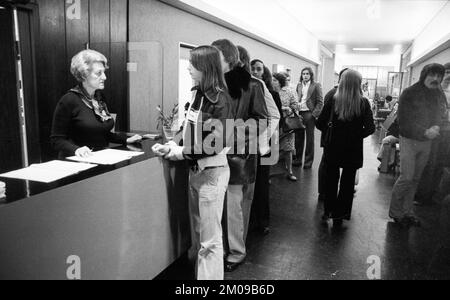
[[127, 221]]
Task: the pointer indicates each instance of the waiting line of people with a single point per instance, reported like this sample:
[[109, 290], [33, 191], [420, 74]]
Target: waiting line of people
[[345, 120], [223, 174]]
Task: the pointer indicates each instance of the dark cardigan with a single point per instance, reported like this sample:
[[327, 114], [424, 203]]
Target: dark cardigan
[[75, 125]]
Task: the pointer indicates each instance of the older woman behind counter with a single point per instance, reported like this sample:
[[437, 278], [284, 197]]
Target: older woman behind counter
[[82, 122]]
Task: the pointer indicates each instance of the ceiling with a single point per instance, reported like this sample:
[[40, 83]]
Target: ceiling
[[353, 23]]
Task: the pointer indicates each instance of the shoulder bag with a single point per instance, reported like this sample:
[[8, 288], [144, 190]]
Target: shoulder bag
[[293, 122]]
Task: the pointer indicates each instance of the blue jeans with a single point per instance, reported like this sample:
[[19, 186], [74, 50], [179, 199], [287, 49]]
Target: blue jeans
[[206, 199]]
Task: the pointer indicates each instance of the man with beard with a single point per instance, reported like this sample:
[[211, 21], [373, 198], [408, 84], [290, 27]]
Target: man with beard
[[427, 191], [419, 118]]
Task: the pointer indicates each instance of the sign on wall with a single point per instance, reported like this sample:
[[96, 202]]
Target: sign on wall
[[73, 11]]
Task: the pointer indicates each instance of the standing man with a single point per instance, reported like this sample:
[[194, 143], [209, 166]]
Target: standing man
[[311, 103], [419, 119], [249, 107]]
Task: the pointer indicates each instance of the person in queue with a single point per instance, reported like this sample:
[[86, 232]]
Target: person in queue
[[346, 119], [81, 121], [289, 105], [209, 171], [260, 71], [249, 106], [260, 212], [322, 175]]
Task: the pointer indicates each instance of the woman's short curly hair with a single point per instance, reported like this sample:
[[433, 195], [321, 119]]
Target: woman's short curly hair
[[281, 79], [81, 64]]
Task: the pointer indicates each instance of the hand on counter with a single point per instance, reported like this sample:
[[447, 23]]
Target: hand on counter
[[135, 138], [160, 150], [83, 152]]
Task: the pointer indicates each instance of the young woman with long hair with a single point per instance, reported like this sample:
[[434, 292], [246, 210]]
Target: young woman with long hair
[[209, 172], [345, 121]]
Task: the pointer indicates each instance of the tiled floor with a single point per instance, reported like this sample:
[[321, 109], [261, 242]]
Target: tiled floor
[[300, 247]]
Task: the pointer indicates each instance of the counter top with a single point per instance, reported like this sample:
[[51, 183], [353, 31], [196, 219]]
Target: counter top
[[17, 189]]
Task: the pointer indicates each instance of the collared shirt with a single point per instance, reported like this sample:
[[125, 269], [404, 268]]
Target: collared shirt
[[305, 87]]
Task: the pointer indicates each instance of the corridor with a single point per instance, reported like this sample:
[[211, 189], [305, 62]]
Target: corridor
[[300, 247]]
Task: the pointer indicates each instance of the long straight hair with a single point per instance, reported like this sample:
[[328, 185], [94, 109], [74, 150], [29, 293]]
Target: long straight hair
[[311, 74], [206, 59], [348, 96]]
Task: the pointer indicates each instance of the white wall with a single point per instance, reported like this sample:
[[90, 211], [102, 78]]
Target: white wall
[[162, 24], [233, 11], [440, 58], [434, 34], [328, 80]]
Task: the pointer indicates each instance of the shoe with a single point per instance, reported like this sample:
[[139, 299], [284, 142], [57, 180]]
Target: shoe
[[297, 163], [404, 222], [413, 221], [230, 267], [337, 222], [291, 177]]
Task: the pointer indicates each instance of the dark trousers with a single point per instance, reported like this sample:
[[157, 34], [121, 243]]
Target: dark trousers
[[432, 174], [339, 204], [322, 177], [260, 211], [310, 124]]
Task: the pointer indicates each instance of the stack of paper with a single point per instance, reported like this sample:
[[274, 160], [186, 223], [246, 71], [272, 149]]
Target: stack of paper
[[49, 171], [151, 136], [107, 156]]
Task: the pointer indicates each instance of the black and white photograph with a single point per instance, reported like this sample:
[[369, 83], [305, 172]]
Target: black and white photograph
[[225, 147]]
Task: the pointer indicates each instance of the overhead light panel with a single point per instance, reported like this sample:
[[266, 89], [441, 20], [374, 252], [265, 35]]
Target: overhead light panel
[[366, 49]]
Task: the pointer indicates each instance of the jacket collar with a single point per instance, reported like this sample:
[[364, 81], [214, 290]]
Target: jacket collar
[[211, 94], [238, 80]]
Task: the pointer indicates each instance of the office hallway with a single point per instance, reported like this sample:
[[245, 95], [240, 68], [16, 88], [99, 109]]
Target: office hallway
[[299, 246]]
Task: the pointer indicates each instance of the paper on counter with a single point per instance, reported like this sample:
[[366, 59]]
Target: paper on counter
[[49, 171], [107, 156]]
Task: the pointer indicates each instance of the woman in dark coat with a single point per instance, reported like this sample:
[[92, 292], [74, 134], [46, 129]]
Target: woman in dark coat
[[345, 121]]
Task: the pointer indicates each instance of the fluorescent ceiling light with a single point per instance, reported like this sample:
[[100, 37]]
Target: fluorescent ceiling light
[[366, 49]]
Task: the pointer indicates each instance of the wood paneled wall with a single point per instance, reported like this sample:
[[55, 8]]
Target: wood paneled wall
[[104, 25], [10, 138], [10, 153]]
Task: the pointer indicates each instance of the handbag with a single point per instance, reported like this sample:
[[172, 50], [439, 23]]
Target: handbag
[[242, 168], [328, 134], [293, 122]]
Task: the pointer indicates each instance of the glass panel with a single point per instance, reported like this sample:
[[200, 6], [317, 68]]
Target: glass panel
[[145, 70], [394, 84]]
